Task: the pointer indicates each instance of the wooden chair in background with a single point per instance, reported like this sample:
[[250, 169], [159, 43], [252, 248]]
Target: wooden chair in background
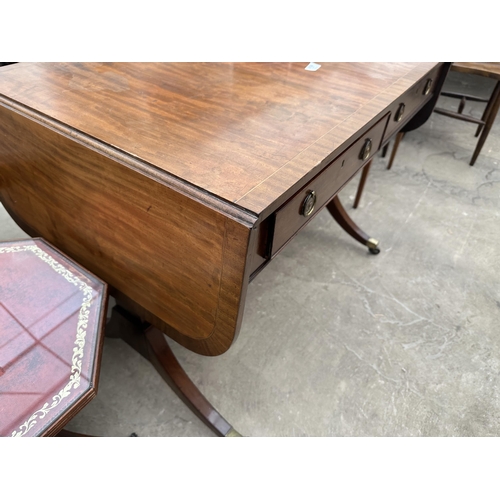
[[487, 70]]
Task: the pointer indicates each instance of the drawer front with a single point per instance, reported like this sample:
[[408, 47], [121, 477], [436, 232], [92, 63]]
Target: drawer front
[[411, 101], [318, 192]]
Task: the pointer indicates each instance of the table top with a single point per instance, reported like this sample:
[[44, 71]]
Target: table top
[[243, 132], [165, 179], [51, 322]]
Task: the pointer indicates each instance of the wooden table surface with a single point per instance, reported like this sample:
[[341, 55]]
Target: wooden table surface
[[242, 132], [161, 178]]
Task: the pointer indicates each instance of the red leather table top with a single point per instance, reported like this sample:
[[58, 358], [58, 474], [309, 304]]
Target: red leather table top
[[52, 315]]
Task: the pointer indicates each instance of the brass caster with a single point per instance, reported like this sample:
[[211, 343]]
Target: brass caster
[[372, 245], [233, 433]]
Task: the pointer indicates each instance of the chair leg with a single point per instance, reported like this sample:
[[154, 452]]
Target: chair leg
[[461, 106], [384, 150], [487, 109], [487, 126], [399, 137], [361, 185]]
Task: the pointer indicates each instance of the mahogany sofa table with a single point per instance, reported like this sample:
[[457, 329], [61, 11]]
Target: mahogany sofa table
[[178, 183], [52, 316]]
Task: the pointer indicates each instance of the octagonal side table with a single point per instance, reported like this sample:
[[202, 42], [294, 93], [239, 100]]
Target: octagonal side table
[[52, 317]]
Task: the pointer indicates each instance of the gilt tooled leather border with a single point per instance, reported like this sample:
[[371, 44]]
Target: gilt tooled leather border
[[81, 332]]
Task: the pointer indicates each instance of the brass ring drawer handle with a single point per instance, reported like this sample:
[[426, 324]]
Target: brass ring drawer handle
[[428, 86], [400, 112], [308, 204], [366, 150]]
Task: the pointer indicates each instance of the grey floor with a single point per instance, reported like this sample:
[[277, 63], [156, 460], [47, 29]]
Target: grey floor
[[338, 342]]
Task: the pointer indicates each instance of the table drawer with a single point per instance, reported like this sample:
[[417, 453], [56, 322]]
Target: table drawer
[[412, 100], [298, 210]]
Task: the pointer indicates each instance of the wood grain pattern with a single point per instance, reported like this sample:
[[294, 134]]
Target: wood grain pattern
[[160, 177], [225, 128], [181, 260], [269, 195]]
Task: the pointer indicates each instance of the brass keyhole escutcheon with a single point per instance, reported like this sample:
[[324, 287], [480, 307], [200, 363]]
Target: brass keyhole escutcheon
[[366, 150], [308, 204], [428, 86], [400, 112]]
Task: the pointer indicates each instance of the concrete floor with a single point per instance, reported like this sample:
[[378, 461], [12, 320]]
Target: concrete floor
[[338, 342]]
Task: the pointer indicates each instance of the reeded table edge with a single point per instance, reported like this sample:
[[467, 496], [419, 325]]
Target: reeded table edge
[[211, 200]]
